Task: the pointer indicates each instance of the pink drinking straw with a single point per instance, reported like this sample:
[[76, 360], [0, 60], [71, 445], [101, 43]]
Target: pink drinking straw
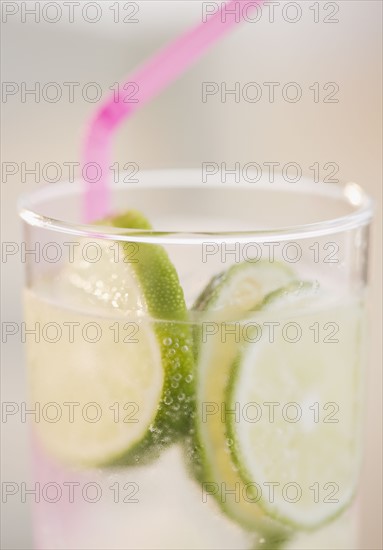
[[149, 79]]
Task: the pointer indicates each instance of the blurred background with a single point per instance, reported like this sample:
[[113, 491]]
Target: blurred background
[[340, 44]]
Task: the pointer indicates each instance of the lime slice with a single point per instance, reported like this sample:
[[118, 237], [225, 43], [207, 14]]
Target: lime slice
[[295, 441], [229, 296], [137, 375], [241, 288]]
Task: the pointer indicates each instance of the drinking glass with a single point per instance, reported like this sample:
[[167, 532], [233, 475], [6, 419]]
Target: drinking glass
[[198, 384]]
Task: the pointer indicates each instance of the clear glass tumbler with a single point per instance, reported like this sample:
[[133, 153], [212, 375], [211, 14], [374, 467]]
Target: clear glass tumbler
[[196, 364]]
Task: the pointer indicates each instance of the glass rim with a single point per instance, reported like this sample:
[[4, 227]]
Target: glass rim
[[351, 193]]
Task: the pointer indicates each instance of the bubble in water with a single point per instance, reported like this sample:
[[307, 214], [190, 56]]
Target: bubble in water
[[185, 349], [167, 341], [189, 378], [168, 400], [171, 352], [175, 385], [181, 397]]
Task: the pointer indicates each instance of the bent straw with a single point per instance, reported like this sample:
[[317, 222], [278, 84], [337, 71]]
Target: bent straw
[[159, 71]]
